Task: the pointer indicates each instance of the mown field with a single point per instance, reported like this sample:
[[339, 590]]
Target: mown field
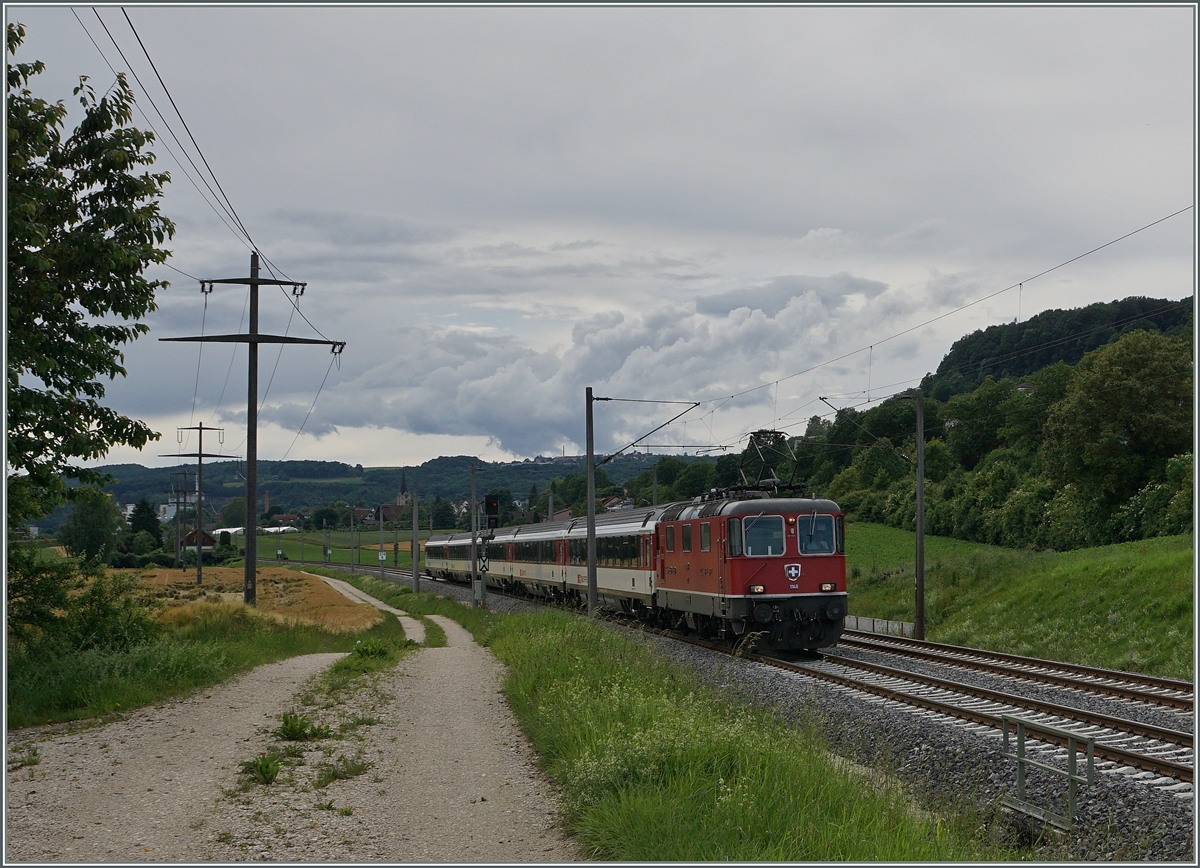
[[1126, 606]]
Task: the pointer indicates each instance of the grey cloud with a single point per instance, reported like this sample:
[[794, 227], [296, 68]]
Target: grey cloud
[[364, 230], [773, 296]]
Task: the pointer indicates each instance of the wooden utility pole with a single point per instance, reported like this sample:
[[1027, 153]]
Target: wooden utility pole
[[476, 584], [199, 455], [416, 544], [593, 596], [252, 339], [919, 618], [382, 552]]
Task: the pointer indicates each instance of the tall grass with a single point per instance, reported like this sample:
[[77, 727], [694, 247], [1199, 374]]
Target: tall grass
[[202, 644], [1126, 606], [653, 766]]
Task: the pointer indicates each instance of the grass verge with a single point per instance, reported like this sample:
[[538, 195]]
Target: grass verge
[[653, 766], [215, 642], [1126, 606]]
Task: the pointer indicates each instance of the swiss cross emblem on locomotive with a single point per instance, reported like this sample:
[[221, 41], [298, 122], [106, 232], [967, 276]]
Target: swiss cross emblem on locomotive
[[792, 571]]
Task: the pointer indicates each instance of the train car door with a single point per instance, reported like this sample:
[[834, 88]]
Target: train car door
[[722, 580]]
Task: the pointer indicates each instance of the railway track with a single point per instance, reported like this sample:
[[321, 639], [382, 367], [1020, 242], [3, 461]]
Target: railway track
[[1162, 751], [1169, 692]]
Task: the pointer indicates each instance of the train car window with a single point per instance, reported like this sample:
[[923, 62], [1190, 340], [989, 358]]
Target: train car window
[[578, 551], [763, 535], [840, 533], [815, 534], [671, 539], [705, 536], [687, 537], [733, 532]]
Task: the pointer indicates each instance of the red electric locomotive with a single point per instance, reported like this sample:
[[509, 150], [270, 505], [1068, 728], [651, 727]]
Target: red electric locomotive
[[771, 566], [726, 565]]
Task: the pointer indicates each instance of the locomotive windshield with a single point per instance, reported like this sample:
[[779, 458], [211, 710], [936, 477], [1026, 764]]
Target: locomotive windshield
[[815, 533], [763, 535]]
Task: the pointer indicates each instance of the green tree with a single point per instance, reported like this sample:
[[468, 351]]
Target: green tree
[[83, 223], [1126, 412], [144, 519], [90, 531], [696, 479], [233, 514], [973, 421], [443, 513]]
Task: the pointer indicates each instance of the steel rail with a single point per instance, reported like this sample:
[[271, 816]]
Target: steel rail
[[970, 661], [1093, 671], [1119, 724], [1109, 752]]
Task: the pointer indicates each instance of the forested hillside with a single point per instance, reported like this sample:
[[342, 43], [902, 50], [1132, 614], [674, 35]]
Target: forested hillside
[[1020, 349], [1069, 456]]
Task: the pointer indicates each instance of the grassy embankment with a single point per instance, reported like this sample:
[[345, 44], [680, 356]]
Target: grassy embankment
[[346, 548], [1126, 606], [654, 766], [199, 643]]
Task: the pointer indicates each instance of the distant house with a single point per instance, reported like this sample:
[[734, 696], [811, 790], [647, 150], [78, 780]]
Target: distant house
[[363, 514], [206, 541], [286, 518], [391, 511], [562, 515]]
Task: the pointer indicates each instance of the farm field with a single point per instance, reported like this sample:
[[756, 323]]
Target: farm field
[[282, 594], [345, 547], [1126, 606]]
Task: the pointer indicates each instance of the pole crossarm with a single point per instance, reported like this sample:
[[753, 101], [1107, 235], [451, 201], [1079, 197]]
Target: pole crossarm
[[259, 339], [199, 454], [252, 281]]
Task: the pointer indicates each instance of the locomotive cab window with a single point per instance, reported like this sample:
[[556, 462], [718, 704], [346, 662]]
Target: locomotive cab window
[[815, 534], [763, 535]]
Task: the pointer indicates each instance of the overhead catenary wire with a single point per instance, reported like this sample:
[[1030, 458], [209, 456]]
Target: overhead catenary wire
[[870, 347], [951, 312]]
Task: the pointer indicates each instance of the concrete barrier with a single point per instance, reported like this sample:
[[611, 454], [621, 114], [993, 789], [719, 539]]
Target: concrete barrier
[[879, 625]]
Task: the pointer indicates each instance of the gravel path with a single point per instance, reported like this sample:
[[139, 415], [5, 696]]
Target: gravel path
[[443, 774]]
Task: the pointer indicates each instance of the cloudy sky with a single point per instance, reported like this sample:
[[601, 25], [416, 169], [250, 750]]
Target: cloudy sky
[[497, 207]]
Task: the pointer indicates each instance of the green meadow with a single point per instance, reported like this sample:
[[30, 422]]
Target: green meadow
[[1125, 606]]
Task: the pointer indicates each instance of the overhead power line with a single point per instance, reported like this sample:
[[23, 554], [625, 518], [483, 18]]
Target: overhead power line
[[950, 312], [195, 144]]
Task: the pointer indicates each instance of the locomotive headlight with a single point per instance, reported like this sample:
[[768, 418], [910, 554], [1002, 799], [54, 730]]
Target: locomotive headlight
[[758, 589], [828, 586]]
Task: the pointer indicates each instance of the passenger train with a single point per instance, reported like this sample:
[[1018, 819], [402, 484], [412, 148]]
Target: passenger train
[[727, 565]]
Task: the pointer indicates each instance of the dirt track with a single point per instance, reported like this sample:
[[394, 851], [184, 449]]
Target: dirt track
[[449, 775]]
